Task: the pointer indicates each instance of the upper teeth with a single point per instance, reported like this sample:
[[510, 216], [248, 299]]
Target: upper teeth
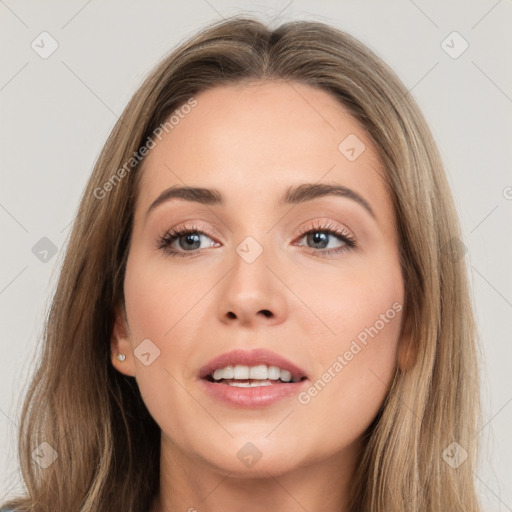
[[260, 372]]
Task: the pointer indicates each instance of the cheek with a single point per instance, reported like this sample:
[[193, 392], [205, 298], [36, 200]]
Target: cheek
[[159, 300], [356, 358], [357, 302], [160, 309]]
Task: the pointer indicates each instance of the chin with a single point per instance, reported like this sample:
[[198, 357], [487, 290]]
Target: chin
[[269, 465], [254, 456]]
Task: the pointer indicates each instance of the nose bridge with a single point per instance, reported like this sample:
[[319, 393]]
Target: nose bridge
[[251, 274], [251, 289]]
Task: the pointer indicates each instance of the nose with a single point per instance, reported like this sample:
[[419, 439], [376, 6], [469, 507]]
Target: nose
[[252, 292]]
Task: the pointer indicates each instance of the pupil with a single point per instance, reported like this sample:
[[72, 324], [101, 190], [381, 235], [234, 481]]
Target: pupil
[[193, 239], [319, 239]]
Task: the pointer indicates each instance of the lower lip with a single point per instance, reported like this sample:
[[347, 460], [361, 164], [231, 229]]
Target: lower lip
[[257, 397]]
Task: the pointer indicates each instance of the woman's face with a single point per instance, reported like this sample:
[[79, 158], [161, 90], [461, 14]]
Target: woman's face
[[248, 284]]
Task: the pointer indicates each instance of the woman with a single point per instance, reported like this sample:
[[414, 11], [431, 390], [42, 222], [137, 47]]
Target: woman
[[263, 301]]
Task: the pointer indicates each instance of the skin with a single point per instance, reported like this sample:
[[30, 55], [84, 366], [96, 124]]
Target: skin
[[252, 142]]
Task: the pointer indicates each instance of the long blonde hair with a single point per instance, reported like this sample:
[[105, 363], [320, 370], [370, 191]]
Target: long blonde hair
[[93, 416]]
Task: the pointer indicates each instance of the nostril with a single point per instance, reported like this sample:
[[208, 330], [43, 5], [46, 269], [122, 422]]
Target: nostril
[[266, 313]]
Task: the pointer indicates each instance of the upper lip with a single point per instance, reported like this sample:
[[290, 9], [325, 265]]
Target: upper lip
[[251, 358]]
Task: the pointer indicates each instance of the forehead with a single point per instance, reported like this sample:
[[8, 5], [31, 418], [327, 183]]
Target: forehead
[[255, 140]]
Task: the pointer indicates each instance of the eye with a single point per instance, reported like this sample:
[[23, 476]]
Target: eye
[[328, 236], [187, 238]]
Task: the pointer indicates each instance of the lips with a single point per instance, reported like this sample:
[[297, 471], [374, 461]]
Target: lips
[[252, 358], [239, 392]]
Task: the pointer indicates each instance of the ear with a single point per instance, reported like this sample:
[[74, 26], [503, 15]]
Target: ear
[[407, 350], [120, 343]]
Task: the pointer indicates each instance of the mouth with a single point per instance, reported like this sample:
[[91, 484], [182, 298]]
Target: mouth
[[244, 376], [251, 378]]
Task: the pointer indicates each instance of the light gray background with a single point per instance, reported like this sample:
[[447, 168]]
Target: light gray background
[[57, 113]]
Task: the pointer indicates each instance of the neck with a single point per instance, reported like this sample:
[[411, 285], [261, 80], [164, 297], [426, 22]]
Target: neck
[[192, 486]]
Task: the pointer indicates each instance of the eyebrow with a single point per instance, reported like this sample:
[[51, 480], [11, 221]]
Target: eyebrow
[[293, 195]]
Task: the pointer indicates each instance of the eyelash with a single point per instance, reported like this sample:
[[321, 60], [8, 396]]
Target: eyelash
[[165, 241]]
